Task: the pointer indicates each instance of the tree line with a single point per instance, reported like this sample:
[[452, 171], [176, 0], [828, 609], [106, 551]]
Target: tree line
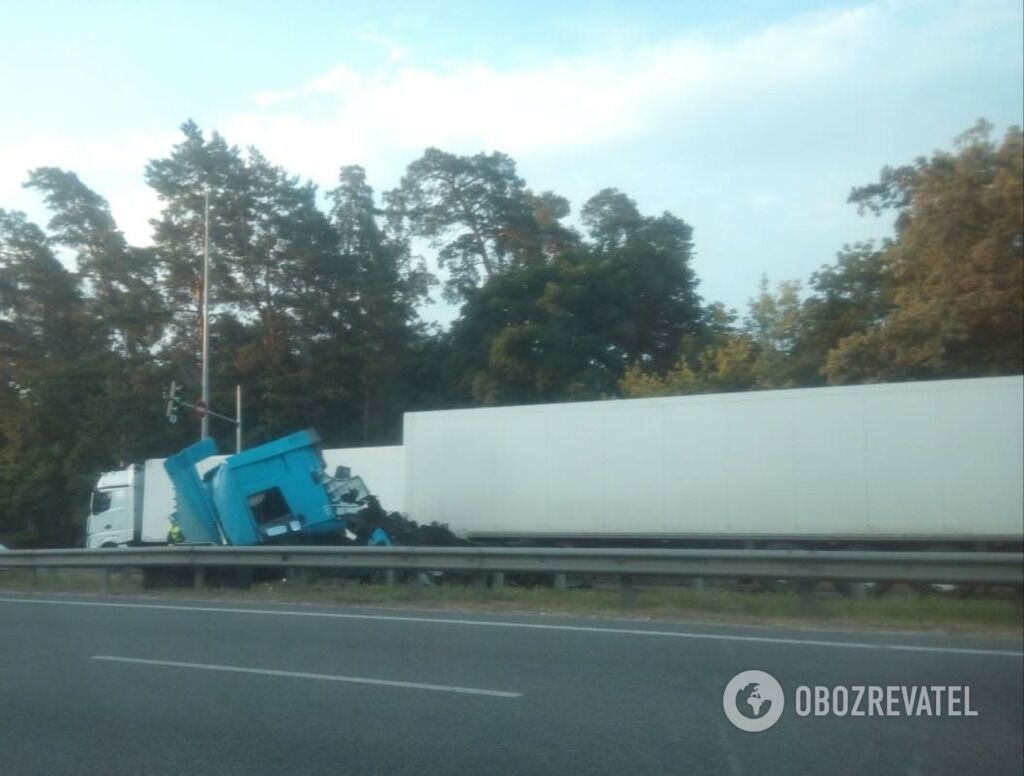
[[316, 305]]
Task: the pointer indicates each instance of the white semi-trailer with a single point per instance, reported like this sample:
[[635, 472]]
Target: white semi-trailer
[[928, 464]]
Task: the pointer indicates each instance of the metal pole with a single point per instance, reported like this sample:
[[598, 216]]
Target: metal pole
[[205, 421], [238, 418]]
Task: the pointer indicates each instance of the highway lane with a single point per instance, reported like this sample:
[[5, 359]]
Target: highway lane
[[154, 685]]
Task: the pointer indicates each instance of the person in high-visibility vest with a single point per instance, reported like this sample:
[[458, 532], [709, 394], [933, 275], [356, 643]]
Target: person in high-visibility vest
[[175, 535]]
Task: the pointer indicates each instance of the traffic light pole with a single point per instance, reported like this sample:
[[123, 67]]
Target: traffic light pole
[[202, 409], [205, 413]]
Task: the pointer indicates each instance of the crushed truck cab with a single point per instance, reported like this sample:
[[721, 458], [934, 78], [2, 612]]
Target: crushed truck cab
[[277, 492]]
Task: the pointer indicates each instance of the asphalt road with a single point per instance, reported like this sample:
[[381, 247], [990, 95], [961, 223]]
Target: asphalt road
[[154, 686]]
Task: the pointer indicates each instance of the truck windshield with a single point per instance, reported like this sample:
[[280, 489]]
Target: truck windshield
[[268, 505], [100, 501]]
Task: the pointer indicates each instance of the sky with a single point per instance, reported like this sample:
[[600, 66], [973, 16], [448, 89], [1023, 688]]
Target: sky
[[750, 120]]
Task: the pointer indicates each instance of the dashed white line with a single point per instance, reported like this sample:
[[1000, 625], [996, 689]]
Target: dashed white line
[[305, 675], [916, 648]]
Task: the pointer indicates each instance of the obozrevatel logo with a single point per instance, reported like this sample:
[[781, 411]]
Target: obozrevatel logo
[[753, 701]]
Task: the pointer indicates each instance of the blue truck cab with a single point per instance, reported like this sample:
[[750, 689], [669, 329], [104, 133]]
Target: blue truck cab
[[276, 492]]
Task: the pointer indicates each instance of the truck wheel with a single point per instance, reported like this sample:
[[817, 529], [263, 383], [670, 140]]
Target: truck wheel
[[853, 589], [788, 585], [935, 588]]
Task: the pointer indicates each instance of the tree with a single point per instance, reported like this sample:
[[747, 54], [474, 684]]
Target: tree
[[195, 168], [848, 297], [121, 279], [540, 333], [270, 247], [384, 286], [728, 365], [48, 385], [477, 213], [568, 327], [40, 306], [264, 229], [774, 323], [955, 269], [649, 259]]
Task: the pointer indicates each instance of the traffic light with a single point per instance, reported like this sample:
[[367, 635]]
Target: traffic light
[[173, 396]]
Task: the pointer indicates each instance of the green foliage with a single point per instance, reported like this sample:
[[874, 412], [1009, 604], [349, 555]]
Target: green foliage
[[48, 364], [943, 298], [537, 333], [479, 215], [568, 328], [315, 305], [955, 270]]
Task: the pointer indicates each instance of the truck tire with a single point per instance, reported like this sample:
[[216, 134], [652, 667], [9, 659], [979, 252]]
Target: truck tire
[[938, 588], [854, 589], [787, 585], [801, 586]]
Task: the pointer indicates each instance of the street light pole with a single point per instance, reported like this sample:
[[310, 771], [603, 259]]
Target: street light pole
[[205, 420]]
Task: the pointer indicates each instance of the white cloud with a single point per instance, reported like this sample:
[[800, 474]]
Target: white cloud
[[720, 129], [344, 115], [384, 118]]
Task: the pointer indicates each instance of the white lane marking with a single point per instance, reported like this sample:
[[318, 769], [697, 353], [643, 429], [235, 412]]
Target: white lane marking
[[304, 675], [535, 626]]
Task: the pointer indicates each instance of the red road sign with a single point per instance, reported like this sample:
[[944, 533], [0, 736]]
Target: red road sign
[[200, 408]]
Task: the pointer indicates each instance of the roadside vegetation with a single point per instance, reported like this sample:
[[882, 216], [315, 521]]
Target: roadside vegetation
[[320, 297]]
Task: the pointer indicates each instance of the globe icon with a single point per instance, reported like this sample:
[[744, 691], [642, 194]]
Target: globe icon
[[753, 700], [751, 703]]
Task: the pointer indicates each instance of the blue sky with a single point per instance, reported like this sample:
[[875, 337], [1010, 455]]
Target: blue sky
[[750, 120]]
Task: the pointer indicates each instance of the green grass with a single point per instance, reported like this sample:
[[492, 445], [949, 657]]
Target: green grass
[[900, 609], [71, 580]]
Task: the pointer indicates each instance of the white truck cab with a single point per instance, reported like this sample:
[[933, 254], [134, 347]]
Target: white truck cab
[[133, 506], [112, 511]]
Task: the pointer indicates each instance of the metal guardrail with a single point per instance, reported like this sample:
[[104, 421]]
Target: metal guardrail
[[994, 568]]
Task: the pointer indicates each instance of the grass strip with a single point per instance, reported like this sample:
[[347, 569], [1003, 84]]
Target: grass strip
[[901, 608]]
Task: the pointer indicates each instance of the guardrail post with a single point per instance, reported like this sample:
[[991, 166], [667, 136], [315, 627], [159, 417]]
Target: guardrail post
[[35, 576], [627, 591], [415, 583], [480, 585], [389, 577], [561, 581], [808, 601], [199, 577], [498, 580], [695, 583]]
